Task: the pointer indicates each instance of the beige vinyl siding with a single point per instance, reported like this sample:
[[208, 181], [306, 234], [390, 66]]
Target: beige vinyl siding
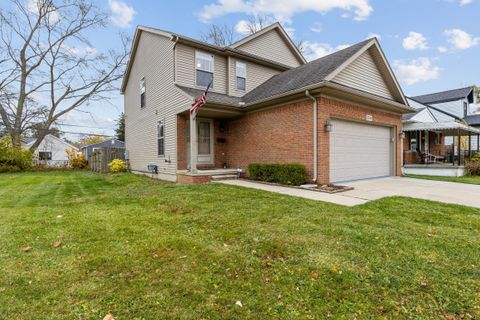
[[185, 69], [256, 75], [154, 61], [271, 46], [363, 74]]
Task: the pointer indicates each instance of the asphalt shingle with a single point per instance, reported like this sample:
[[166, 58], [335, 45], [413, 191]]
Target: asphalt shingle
[[444, 96]]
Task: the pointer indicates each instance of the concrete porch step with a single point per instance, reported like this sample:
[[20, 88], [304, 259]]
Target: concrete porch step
[[223, 177]]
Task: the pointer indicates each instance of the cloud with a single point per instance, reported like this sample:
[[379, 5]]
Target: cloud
[[465, 2], [417, 70], [316, 27], [415, 41], [284, 10], [315, 50], [442, 49], [242, 27], [122, 14], [373, 35], [79, 51], [460, 39]]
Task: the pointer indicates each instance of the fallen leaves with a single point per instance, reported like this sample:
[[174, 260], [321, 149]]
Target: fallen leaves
[[336, 270], [239, 303], [424, 283], [108, 317], [57, 244], [27, 249]]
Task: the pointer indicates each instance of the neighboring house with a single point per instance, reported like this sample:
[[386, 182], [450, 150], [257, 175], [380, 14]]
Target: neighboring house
[[431, 140], [340, 115], [111, 143], [456, 101], [52, 151]]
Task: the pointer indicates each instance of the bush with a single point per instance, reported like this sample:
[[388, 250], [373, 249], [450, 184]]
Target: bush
[[13, 159], [76, 160], [117, 165], [472, 166], [289, 173]]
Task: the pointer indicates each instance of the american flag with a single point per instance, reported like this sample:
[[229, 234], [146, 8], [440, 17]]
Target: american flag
[[200, 102]]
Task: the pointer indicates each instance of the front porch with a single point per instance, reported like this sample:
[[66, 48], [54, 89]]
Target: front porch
[[438, 149]]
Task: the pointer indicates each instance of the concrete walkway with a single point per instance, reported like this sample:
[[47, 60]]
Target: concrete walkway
[[367, 190]]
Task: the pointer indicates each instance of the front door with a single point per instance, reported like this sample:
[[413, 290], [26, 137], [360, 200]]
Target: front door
[[205, 141]]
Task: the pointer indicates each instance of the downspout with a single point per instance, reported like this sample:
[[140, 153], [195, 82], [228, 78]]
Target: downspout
[[315, 135], [174, 38]]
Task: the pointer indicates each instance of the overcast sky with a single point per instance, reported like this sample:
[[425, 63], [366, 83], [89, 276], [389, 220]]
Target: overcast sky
[[432, 45]]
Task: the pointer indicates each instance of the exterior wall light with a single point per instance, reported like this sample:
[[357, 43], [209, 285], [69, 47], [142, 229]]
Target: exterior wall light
[[402, 135], [328, 126]]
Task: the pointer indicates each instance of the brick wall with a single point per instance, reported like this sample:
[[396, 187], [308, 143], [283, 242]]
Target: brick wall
[[277, 135]]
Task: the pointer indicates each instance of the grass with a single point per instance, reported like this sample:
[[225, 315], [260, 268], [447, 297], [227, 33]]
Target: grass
[[143, 249], [463, 179]]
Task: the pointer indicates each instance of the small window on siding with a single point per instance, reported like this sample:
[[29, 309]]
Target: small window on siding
[[44, 155], [161, 137], [465, 109], [241, 71], [143, 92], [204, 68]]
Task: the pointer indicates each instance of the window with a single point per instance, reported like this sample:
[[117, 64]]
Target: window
[[438, 138], [413, 144], [142, 93], [44, 155], [204, 69], [465, 109], [161, 137], [241, 75]]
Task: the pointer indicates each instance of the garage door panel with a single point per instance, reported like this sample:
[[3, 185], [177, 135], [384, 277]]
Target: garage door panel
[[359, 151]]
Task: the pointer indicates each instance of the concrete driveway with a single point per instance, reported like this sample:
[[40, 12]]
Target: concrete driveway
[[367, 190], [448, 192]]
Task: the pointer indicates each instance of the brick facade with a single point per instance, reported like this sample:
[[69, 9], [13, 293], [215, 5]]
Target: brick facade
[[283, 134]]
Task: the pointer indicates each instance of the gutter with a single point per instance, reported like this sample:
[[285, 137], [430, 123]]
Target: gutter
[[174, 38], [315, 135]]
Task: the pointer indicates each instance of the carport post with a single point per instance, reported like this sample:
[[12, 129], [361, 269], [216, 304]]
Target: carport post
[[459, 146], [478, 142], [469, 144]]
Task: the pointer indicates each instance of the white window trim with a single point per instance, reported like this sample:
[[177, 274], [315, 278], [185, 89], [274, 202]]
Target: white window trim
[[143, 90], [206, 56]]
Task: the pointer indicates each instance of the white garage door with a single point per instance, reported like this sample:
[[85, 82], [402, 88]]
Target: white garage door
[[359, 151]]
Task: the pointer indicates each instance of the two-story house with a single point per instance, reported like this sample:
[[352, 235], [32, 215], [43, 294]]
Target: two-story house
[[339, 115]]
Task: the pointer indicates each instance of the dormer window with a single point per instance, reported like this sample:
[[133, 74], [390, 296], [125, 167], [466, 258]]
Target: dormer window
[[465, 109], [204, 68], [241, 71]]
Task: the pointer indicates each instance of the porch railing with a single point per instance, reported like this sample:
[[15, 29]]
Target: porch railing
[[443, 156]]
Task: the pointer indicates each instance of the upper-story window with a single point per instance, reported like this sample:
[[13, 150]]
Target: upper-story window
[[465, 109], [143, 93], [241, 71], [204, 68]]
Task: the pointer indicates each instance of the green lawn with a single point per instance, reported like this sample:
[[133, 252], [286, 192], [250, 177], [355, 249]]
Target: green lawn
[[464, 179], [143, 249]]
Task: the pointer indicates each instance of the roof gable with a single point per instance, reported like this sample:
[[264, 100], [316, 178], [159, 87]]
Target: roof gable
[[364, 74], [274, 36], [371, 73], [326, 69]]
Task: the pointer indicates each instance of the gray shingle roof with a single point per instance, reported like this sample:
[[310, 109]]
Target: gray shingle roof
[[444, 96], [304, 75], [111, 143], [408, 116], [473, 120], [212, 97]]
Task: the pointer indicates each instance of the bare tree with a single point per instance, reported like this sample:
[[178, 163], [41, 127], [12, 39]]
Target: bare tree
[[219, 35], [257, 22], [47, 65]]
